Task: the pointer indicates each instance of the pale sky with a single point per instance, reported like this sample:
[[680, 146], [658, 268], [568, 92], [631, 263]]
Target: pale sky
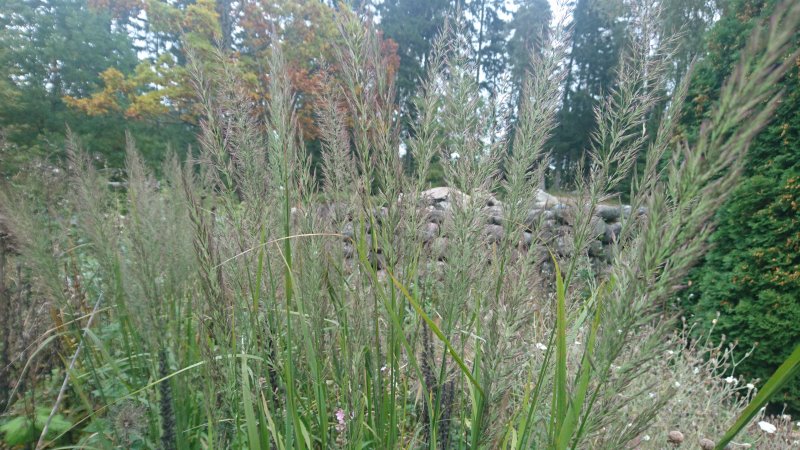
[[559, 9]]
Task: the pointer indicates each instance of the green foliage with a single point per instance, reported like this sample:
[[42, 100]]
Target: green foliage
[[414, 25], [22, 430], [529, 27], [599, 33], [56, 49], [751, 276]]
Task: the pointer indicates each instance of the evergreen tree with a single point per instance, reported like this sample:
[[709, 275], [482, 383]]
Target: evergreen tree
[[413, 25], [57, 49], [489, 41], [527, 30], [751, 276], [598, 35], [690, 20]]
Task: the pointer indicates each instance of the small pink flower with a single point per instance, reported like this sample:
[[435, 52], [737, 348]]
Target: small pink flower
[[342, 424]]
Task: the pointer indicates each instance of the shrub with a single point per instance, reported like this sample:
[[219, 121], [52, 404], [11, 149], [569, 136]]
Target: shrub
[[752, 273]]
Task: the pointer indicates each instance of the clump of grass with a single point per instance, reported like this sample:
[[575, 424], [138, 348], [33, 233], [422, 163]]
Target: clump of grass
[[229, 300]]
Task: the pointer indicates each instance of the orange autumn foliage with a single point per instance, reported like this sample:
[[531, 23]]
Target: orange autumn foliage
[[161, 85]]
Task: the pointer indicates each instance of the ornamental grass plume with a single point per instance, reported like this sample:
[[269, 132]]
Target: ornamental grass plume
[[262, 308]]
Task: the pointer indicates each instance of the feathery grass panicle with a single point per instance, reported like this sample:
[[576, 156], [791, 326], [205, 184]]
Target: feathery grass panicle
[[259, 309]]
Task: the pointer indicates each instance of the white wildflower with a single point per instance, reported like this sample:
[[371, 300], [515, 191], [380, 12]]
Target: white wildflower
[[646, 437], [541, 346], [750, 386], [677, 384], [767, 427], [731, 380]]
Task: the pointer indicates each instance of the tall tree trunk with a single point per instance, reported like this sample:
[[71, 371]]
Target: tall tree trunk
[[226, 23], [480, 44]]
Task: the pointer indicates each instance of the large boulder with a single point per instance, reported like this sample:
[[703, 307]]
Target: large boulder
[[608, 213], [437, 194], [544, 200], [597, 227], [443, 195]]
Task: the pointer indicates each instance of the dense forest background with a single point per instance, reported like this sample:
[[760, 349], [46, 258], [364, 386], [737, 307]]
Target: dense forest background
[[104, 68]]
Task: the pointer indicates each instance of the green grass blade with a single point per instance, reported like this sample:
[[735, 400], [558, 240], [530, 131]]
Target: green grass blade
[[780, 378], [249, 414], [527, 430], [560, 388], [568, 429], [438, 334]]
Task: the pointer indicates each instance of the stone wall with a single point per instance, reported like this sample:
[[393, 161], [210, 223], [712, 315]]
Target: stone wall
[[548, 226]]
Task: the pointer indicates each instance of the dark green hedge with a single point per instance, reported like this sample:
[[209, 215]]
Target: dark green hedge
[[751, 276]]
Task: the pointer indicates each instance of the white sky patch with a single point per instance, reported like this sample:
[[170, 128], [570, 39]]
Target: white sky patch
[[560, 10]]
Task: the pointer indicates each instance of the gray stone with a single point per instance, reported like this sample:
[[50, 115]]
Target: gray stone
[[608, 253], [612, 232], [437, 194], [527, 239], [532, 219], [547, 232], [429, 231], [597, 227], [544, 200], [548, 268], [494, 233], [563, 214], [442, 194], [377, 260], [442, 206], [348, 231], [564, 245], [438, 248], [549, 226], [494, 215], [595, 249], [436, 216], [608, 213], [537, 216]]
